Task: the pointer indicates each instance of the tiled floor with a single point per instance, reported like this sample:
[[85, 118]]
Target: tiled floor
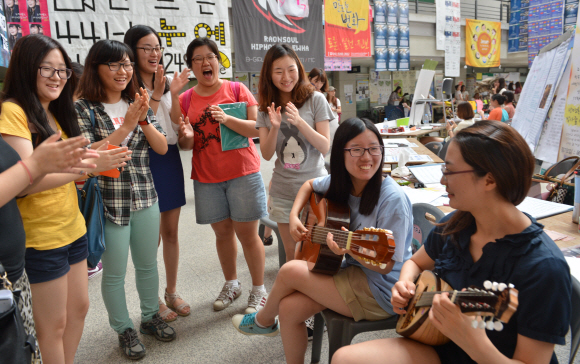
[[205, 336]]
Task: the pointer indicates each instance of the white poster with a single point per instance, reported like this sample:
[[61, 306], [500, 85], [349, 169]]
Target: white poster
[[570, 144], [452, 38], [243, 78], [421, 92], [440, 24], [77, 25]]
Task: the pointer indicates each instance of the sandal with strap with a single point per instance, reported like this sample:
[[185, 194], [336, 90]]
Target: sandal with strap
[[170, 300], [165, 314]]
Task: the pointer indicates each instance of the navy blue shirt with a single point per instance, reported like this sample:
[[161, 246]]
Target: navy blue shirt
[[532, 262]]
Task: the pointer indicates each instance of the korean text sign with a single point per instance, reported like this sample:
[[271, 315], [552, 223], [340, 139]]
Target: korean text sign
[[347, 28]]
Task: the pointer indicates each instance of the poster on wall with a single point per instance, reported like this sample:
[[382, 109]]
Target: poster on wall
[[4, 46], [392, 35], [24, 17], [518, 26], [452, 38], [261, 24], [77, 26], [347, 28], [482, 43], [570, 143], [545, 23], [243, 78]]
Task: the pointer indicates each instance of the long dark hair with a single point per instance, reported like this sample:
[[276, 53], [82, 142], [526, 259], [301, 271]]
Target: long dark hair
[[501, 84], [490, 146], [340, 181], [319, 72], [268, 93], [20, 85], [131, 39], [104, 51]]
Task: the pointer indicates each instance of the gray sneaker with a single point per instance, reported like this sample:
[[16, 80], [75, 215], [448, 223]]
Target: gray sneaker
[[256, 301], [158, 328], [132, 347], [227, 296]]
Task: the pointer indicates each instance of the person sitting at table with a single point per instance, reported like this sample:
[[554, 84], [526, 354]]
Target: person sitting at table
[[466, 114], [486, 238], [498, 113]]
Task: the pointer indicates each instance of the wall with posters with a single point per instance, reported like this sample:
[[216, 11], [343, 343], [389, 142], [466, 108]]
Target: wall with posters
[[545, 24], [518, 31], [347, 28], [77, 25], [392, 50]]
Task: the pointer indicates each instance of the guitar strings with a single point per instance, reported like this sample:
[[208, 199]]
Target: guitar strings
[[333, 231], [341, 241]]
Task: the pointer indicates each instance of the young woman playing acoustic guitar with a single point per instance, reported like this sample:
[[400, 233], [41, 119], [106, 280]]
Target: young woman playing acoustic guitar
[[356, 291], [487, 238]]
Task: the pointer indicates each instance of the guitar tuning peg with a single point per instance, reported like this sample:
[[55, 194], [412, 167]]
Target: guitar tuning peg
[[511, 285], [366, 229], [481, 324], [497, 325], [374, 263], [490, 325], [474, 323], [501, 287], [383, 265], [494, 286], [487, 285]]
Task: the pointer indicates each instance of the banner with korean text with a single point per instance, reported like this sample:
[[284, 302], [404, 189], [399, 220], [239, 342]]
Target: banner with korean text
[[259, 24], [77, 25], [482, 43], [347, 28]]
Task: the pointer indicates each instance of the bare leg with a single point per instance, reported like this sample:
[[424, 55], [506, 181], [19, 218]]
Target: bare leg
[[77, 306], [267, 231], [49, 300], [397, 350], [227, 247], [169, 233], [287, 240], [247, 233]]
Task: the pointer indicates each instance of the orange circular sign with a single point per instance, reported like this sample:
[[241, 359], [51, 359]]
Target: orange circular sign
[[484, 43]]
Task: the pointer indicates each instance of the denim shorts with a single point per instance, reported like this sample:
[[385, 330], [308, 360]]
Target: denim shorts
[[241, 199], [48, 265]]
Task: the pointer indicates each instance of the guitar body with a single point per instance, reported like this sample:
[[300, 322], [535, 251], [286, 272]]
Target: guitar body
[[415, 324], [321, 212]]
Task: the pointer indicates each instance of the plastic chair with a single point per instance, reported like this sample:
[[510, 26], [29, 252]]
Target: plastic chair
[[435, 147], [575, 322], [443, 150], [342, 329], [393, 112], [272, 225]]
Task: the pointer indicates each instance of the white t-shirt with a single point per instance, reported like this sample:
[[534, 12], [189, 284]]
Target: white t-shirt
[[117, 114], [334, 112], [163, 115]]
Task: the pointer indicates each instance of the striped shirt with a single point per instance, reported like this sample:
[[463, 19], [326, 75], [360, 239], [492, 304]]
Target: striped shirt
[[134, 189]]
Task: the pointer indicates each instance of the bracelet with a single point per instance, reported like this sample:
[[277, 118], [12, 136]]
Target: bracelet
[[27, 171], [90, 175], [154, 99]]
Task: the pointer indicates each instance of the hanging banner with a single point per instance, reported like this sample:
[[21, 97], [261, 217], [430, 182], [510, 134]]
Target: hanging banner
[[77, 25], [347, 28], [26, 17], [4, 46], [482, 43], [259, 24]]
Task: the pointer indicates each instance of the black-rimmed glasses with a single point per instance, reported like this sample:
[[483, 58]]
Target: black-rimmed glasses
[[48, 72], [115, 66], [148, 50], [199, 59], [359, 152], [447, 173]]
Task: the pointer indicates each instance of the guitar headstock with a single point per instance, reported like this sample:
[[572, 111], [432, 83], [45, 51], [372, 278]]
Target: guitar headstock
[[498, 301], [374, 246]]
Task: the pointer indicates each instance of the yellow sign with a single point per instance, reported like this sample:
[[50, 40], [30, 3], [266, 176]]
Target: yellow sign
[[482, 43], [351, 14]]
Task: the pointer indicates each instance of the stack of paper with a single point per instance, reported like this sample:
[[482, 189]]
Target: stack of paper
[[430, 173], [539, 208]]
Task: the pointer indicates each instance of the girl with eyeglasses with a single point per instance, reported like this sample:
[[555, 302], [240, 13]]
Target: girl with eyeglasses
[[111, 111], [228, 185], [486, 238], [37, 103], [358, 290], [166, 169]]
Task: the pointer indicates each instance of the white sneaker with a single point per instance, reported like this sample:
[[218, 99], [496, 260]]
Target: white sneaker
[[256, 301], [227, 296]]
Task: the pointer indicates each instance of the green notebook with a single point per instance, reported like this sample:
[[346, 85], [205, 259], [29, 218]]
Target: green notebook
[[231, 139]]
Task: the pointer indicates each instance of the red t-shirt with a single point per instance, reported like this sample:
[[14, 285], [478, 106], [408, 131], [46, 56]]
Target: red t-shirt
[[496, 114], [209, 163]]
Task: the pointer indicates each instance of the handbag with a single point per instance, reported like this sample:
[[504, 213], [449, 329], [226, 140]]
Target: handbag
[[560, 190], [16, 346], [93, 209]]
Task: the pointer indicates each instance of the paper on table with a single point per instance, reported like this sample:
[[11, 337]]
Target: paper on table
[[574, 264], [430, 173], [418, 195], [412, 158], [400, 141], [540, 208], [396, 151]]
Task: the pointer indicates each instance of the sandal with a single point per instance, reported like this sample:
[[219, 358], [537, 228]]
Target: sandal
[[170, 300], [166, 313], [268, 241]]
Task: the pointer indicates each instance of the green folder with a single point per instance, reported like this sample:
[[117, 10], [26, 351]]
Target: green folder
[[231, 139]]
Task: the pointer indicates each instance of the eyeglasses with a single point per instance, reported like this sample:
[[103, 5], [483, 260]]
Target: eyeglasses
[[148, 50], [359, 152], [115, 66], [447, 173], [199, 59], [48, 72]]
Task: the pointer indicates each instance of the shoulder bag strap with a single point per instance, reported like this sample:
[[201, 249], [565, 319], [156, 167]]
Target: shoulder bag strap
[[235, 86], [563, 160]]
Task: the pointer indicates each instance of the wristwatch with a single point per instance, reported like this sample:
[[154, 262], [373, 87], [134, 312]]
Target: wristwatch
[[147, 121]]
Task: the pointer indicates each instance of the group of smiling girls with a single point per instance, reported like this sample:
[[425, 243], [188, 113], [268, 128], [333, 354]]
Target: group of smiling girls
[[126, 100]]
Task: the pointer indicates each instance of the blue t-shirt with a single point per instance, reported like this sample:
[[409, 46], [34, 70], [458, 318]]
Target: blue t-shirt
[[393, 212], [532, 262]]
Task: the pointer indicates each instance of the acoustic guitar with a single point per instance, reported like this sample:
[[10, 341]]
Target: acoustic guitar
[[321, 216], [496, 301]]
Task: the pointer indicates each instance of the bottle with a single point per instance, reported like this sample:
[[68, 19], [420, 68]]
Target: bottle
[[576, 211]]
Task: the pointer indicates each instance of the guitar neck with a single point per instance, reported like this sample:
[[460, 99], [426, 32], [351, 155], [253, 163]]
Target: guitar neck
[[342, 238], [426, 299]]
